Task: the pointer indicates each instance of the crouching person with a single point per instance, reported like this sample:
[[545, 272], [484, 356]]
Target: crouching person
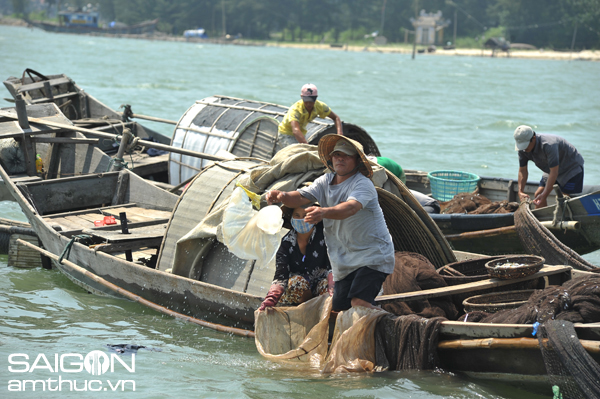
[[302, 268]]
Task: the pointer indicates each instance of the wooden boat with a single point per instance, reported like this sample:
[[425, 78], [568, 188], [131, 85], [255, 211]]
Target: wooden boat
[[495, 234], [212, 284], [83, 111]]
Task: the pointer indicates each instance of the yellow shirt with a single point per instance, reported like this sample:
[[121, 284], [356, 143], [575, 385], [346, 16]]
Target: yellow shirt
[[298, 113]]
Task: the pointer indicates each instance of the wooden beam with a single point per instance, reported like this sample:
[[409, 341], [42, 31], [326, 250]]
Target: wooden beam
[[127, 245], [480, 233], [470, 287], [507, 343]]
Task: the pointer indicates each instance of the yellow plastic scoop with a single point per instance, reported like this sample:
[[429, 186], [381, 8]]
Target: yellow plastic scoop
[[255, 198]]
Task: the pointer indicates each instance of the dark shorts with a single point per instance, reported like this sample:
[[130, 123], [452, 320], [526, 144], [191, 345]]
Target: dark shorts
[[573, 186], [364, 283]]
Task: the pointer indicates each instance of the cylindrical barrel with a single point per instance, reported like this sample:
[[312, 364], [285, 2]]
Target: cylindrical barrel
[[246, 128]]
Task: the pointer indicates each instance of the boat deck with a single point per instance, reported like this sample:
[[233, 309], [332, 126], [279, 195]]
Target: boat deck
[[146, 229]]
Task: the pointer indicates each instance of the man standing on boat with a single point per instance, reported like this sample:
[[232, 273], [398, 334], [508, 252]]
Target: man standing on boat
[[292, 129], [358, 241], [556, 157]]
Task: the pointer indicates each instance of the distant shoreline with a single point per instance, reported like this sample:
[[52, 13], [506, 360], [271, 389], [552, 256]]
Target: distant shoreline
[[585, 55], [541, 54]]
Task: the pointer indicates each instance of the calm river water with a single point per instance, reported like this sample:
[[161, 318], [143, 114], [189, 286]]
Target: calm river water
[[434, 112]]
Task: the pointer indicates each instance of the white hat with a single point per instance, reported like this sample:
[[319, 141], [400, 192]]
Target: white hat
[[523, 135]]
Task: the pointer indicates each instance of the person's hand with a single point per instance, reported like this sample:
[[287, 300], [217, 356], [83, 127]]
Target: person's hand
[[540, 200], [273, 197], [272, 297], [314, 214], [523, 196]]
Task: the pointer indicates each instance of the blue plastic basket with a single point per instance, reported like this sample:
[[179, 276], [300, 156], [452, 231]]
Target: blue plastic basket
[[445, 184]]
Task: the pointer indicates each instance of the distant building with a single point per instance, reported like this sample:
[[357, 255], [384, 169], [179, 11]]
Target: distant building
[[195, 33], [79, 18], [427, 26]]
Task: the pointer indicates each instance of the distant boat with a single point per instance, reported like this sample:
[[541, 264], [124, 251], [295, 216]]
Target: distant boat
[[83, 22]]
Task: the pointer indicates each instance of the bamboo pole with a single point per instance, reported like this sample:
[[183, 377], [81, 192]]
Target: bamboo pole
[[150, 144], [136, 298], [508, 343]]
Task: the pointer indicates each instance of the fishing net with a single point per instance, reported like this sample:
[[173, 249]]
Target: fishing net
[[538, 240], [353, 344], [576, 301], [407, 342], [414, 272], [475, 203], [4, 241], [294, 334], [570, 367], [12, 157]]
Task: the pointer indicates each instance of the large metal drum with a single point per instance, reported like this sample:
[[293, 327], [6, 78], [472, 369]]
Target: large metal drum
[[245, 128]]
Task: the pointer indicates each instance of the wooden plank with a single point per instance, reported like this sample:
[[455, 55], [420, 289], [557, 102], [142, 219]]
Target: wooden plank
[[91, 217], [56, 97], [140, 213], [100, 210], [128, 245], [134, 225], [78, 222], [470, 287], [139, 233], [20, 255], [40, 84]]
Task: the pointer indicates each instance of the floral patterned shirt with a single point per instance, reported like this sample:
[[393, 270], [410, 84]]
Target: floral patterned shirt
[[290, 261]]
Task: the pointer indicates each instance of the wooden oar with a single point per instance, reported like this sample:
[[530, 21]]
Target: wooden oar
[[150, 144], [137, 298]]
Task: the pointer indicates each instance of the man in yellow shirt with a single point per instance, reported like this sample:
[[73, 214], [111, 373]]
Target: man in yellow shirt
[[292, 129]]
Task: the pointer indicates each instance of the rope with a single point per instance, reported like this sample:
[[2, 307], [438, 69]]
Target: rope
[[67, 251], [121, 161]]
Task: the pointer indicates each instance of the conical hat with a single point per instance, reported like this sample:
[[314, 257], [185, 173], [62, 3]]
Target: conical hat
[[327, 144]]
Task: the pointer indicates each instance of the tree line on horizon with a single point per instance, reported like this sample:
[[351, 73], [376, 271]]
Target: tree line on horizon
[[558, 24]]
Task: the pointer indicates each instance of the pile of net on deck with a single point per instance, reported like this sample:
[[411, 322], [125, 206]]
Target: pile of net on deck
[[556, 308], [475, 203], [577, 301], [401, 336]]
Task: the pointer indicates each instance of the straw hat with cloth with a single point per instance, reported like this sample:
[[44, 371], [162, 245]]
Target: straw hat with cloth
[[331, 143]]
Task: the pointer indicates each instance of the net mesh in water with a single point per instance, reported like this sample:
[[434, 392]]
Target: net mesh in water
[[570, 367]]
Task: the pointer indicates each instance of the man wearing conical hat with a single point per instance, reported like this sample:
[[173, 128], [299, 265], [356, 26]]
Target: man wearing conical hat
[[292, 129], [358, 241]]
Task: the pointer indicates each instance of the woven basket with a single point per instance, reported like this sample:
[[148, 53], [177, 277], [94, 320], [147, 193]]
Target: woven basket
[[445, 184], [532, 264], [497, 301]]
